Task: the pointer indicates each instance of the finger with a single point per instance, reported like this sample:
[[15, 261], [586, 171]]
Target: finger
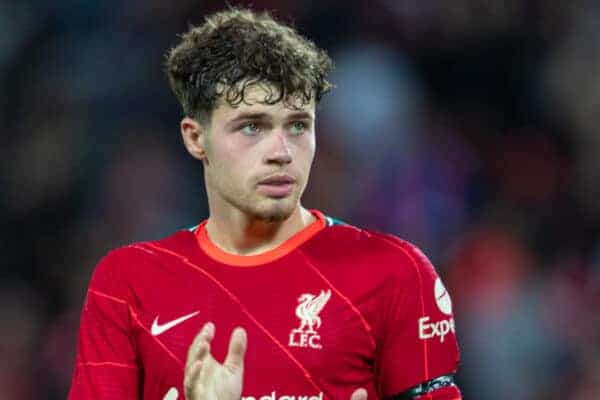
[[237, 349], [201, 344], [203, 351], [191, 377], [359, 394]]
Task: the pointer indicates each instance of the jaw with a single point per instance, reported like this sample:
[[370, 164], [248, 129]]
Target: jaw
[[252, 205], [275, 209]]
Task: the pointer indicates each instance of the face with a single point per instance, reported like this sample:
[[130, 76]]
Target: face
[[257, 157]]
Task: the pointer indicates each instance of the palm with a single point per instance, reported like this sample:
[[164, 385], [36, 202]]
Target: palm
[[206, 378], [219, 382]]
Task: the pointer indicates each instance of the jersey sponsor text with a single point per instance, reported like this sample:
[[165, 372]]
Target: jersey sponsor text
[[433, 329], [275, 396]]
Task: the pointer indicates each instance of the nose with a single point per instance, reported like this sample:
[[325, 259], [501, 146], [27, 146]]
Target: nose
[[279, 151]]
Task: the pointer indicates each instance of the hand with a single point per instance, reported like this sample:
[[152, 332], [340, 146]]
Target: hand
[[359, 394], [204, 377]]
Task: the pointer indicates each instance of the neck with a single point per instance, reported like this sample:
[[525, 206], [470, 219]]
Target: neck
[[238, 233]]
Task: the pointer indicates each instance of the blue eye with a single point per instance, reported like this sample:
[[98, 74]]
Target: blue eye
[[298, 128], [249, 129]]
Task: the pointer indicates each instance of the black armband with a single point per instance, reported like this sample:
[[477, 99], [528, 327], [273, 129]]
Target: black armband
[[424, 388]]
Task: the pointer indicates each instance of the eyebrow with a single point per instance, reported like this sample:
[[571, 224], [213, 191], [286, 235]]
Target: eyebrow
[[300, 115], [265, 116], [250, 116]]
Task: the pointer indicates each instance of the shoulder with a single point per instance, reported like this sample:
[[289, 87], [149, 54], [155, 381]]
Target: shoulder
[[400, 250], [382, 253], [128, 261]]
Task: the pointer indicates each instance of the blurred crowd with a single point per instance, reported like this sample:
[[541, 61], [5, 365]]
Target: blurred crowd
[[469, 127]]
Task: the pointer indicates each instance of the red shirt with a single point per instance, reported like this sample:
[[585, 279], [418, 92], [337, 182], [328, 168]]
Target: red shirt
[[333, 309]]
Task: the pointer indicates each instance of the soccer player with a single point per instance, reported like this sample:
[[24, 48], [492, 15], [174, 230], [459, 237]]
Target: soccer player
[[264, 299]]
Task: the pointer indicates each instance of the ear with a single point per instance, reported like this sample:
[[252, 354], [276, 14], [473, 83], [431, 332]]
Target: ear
[[194, 135]]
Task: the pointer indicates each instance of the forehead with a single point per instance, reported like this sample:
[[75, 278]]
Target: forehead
[[255, 99]]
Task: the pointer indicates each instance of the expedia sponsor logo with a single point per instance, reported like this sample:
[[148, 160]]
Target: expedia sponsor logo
[[442, 297], [275, 396], [428, 330]]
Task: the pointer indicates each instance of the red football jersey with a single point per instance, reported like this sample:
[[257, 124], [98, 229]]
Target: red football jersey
[[333, 309]]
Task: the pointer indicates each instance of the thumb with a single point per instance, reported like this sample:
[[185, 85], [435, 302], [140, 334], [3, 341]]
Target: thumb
[[359, 394], [237, 349]]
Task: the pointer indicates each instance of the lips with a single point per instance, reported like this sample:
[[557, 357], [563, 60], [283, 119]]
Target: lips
[[277, 180], [277, 186]]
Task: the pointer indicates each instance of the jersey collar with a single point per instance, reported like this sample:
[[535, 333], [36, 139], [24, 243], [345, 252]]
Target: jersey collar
[[286, 247]]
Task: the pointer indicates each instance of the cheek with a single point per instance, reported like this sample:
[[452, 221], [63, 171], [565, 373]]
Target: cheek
[[306, 149], [309, 142], [226, 151], [235, 159]]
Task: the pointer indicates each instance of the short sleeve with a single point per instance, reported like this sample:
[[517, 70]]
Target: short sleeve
[[419, 339], [106, 363]]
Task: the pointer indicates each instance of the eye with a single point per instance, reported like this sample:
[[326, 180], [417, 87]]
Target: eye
[[298, 127], [249, 129]]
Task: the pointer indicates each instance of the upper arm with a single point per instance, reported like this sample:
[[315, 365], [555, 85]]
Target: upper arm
[[419, 342], [106, 362]]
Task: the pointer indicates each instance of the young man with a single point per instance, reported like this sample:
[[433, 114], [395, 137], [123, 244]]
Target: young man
[[317, 309]]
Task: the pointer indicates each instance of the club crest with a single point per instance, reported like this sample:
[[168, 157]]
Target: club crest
[[308, 310]]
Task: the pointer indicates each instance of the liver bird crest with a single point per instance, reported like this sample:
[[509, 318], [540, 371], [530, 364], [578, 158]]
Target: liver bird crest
[[309, 308]]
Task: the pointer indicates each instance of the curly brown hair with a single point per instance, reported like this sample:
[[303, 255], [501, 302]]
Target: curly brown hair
[[236, 48]]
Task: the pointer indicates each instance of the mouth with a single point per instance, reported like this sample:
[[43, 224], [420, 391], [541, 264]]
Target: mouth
[[277, 186]]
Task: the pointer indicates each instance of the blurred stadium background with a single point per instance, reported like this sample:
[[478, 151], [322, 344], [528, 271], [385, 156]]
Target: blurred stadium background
[[469, 127]]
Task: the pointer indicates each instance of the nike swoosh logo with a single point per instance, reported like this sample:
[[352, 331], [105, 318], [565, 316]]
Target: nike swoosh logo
[[157, 328]]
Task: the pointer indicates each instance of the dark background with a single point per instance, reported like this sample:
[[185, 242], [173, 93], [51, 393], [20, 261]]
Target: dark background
[[468, 127]]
